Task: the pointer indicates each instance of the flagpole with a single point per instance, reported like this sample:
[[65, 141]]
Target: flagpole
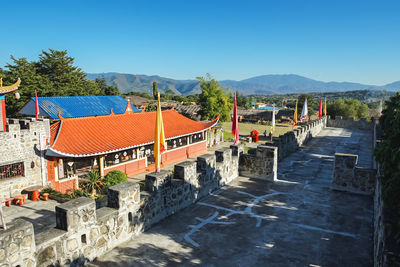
[[159, 138]]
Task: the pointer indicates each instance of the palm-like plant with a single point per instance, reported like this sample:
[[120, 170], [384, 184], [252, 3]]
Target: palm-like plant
[[93, 183]]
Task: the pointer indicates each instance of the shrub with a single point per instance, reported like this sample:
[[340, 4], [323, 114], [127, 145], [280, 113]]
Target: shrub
[[114, 177], [78, 193]]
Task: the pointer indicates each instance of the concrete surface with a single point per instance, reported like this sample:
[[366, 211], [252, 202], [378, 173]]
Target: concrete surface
[[42, 214], [297, 221]]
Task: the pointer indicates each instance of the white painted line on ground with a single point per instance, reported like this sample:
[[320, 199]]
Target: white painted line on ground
[[309, 227], [202, 223]]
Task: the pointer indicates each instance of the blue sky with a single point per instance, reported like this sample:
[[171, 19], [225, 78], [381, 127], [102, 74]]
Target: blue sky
[[332, 40]]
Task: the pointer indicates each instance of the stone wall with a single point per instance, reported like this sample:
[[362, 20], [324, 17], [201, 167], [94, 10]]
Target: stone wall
[[262, 162], [386, 251], [83, 233], [291, 141], [25, 142], [17, 244], [347, 176], [350, 123]]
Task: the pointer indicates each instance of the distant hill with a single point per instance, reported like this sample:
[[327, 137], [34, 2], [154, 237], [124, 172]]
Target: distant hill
[[393, 86], [265, 84], [142, 83]]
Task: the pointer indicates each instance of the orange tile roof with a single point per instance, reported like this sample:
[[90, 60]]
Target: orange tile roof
[[89, 136]]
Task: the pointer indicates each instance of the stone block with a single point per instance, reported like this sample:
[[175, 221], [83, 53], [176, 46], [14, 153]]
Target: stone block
[[158, 181], [17, 242], [76, 214], [123, 195], [223, 154], [185, 170], [205, 162], [237, 150]]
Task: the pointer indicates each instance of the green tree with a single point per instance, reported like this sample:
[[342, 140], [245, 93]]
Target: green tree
[[105, 88], [388, 153], [347, 108], [310, 103], [155, 91], [54, 74], [243, 101], [213, 100]]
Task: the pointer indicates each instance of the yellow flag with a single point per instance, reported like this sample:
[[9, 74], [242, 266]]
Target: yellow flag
[[159, 138], [325, 107], [295, 116]]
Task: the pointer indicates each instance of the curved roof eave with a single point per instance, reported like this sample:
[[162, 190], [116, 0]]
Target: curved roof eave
[[51, 152]]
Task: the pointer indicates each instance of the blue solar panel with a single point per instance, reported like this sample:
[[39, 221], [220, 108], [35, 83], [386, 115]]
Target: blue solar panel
[[82, 106]]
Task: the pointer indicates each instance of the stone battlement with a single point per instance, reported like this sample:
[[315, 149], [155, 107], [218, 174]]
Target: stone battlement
[[24, 143], [347, 176], [350, 123], [83, 233], [262, 162], [25, 126]]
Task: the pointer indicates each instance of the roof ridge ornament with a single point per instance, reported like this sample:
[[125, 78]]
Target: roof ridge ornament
[[9, 89], [112, 112], [128, 109], [59, 116]]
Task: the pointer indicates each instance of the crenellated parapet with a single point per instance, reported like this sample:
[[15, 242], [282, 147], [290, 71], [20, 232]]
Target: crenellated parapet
[[351, 123], [22, 147], [348, 176], [83, 232]]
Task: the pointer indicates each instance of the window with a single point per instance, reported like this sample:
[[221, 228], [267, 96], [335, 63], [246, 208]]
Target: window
[[196, 138], [78, 166], [120, 157], [12, 170]]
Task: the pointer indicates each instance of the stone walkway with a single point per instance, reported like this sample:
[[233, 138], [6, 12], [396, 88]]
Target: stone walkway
[[41, 214], [297, 221]]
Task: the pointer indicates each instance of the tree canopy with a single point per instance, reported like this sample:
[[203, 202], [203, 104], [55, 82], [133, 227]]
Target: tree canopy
[[310, 103], [347, 108], [388, 152], [213, 99], [243, 101], [53, 74]]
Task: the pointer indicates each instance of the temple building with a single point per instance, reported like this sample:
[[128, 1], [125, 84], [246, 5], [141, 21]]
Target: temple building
[[76, 106], [123, 142]]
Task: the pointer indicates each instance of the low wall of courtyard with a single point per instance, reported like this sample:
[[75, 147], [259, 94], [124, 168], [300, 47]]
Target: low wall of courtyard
[[83, 232]]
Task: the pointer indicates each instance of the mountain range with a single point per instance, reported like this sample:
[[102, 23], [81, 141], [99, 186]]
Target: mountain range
[[265, 84]]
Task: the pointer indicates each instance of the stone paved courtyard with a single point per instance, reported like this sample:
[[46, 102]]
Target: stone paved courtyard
[[297, 221]]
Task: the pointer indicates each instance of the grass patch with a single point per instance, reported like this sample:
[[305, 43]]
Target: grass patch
[[228, 136], [245, 128]]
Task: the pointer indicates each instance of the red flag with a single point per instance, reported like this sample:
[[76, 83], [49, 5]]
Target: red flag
[[36, 106], [235, 123], [320, 108]]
